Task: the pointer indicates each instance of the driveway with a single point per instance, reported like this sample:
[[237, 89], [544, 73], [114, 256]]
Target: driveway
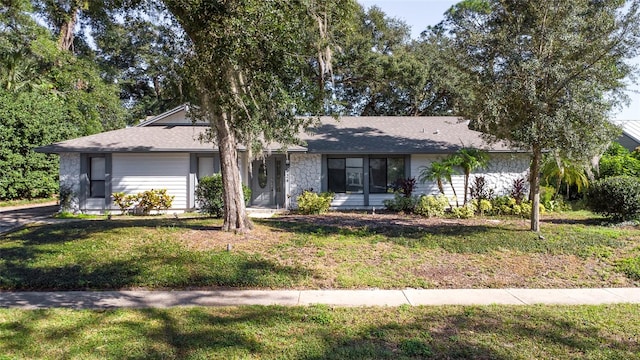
[[14, 217]]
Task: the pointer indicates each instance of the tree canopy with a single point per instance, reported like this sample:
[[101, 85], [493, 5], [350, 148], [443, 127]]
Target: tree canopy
[[380, 71], [255, 67], [46, 95], [541, 75]]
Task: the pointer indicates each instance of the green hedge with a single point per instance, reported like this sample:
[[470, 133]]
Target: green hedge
[[616, 197]]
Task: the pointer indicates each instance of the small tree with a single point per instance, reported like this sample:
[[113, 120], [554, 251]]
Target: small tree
[[541, 75], [557, 170]]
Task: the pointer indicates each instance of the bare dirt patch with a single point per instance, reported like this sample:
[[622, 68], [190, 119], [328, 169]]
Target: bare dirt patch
[[369, 246]]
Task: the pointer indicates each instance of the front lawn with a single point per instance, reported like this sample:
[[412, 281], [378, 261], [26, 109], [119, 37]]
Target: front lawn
[[338, 250], [321, 332]]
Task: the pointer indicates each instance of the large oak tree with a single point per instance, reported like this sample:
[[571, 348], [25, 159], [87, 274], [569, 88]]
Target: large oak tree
[[256, 66]]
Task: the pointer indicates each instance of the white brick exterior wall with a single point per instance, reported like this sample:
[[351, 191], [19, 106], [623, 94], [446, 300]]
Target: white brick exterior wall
[[70, 179]]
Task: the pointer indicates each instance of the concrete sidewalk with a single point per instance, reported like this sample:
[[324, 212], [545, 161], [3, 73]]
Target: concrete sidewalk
[[165, 299]]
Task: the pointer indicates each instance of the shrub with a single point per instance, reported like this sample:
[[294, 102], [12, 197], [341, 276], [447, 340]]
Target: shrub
[[480, 190], [518, 189], [400, 203], [145, 201], [154, 200], [313, 203], [616, 197], [463, 212], [431, 206], [124, 201], [209, 195], [618, 161], [507, 205], [503, 205], [405, 186], [481, 206]]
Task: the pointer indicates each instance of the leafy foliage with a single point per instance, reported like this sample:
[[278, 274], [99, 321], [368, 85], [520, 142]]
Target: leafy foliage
[[507, 205], [438, 171], [145, 201], [401, 203], [617, 161], [209, 195], [46, 95], [465, 211], [431, 206], [29, 119], [470, 159], [518, 190], [310, 202], [405, 186], [538, 81], [480, 190], [378, 70], [482, 206], [125, 202], [617, 197]]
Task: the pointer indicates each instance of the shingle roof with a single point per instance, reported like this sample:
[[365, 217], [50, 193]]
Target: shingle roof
[[402, 135], [144, 139], [135, 139], [368, 135]]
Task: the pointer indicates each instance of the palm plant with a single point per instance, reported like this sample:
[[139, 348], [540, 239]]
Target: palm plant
[[557, 170], [439, 171], [469, 160]]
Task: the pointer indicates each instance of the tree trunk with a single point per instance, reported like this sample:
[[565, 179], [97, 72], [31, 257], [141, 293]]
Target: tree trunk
[[454, 192], [65, 40], [534, 182], [466, 187], [440, 186], [235, 214]]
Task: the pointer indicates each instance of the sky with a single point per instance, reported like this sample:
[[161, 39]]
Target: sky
[[419, 14]]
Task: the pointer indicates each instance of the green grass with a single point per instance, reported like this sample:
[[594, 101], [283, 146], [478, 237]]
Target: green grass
[[284, 253], [7, 203], [321, 332], [129, 253]]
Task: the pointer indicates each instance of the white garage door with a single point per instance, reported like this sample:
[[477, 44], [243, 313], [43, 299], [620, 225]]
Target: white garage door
[[134, 173]]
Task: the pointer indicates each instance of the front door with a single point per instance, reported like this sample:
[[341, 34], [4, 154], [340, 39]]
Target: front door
[[267, 182]]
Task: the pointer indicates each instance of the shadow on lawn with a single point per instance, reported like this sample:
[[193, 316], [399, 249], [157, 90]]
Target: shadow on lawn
[[316, 332], [77, 256], [367, 225], [80, 229], [363, 227]]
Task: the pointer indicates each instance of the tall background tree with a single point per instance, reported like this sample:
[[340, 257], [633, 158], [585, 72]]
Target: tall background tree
[[380, 71], [541, 75], [47, 94]]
